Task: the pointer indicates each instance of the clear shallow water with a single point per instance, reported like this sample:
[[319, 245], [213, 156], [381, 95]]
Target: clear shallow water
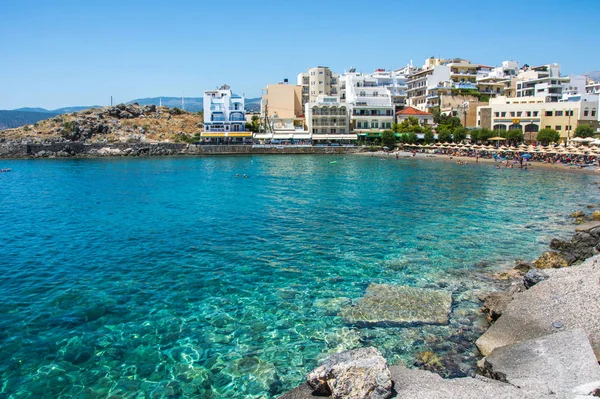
[[170, 277]]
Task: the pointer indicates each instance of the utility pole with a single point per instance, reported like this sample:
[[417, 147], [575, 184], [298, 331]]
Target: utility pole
[[111, 104]]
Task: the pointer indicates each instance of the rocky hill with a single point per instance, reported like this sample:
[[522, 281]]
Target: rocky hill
[[121, 123]]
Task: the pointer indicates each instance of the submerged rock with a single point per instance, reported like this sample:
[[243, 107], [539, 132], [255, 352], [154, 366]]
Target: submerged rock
[[359, 374], [399, 305], [551, 260]]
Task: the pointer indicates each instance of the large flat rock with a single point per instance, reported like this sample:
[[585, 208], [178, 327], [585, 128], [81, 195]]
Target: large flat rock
[[399, 305], [555, 363], [419, 384], [568, 300]]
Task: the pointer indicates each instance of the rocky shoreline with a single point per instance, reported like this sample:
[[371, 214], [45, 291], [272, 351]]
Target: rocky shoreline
[[13, 150], [543, 342]]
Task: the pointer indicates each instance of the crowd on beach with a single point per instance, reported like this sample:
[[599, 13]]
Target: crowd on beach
[[579, 157]]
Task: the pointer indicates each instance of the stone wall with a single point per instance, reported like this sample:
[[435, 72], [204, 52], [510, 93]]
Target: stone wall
[[74, 149]]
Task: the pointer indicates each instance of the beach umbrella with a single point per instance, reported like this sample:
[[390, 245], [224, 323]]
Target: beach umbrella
[[578, 139], [526, 156]]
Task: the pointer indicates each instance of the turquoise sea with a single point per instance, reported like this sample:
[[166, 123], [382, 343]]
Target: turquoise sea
[[170, 277]]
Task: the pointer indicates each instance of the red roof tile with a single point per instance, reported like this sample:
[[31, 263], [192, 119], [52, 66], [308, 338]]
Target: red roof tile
[[409, 111]]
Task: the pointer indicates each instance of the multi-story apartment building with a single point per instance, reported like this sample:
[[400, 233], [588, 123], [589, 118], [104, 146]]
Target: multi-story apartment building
[[438, 78], [498, 80], [592, 87], [370, 104], [282, 113], [534, 113], [224, 114], [542, 81], [318, 81], [328, 120]]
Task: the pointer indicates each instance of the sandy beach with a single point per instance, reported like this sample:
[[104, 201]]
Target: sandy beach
[[469, 161]]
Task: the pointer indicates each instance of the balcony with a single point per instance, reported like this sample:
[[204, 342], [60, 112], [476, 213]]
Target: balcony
[[217, 108], [465, 86], [237, 117]]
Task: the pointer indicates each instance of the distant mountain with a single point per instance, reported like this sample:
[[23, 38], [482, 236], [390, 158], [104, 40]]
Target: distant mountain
[[593, 75], [26, 116], [191, 104], [12, 119]]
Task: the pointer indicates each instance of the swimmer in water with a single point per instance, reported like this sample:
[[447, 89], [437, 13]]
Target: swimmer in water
[[245, 176]]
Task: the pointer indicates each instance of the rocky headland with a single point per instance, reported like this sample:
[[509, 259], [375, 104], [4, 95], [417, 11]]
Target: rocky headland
[[543, 341], [118, 124]]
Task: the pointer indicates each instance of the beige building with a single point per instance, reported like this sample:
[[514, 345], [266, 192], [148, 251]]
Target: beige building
[[318, 81], [282, 114], [533, 114]]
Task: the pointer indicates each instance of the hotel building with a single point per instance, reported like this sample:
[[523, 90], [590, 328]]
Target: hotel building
[[328, 120], [224, 115]]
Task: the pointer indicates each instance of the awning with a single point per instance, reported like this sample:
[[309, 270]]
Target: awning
[[370, 134], [334, 137], [232, 134]]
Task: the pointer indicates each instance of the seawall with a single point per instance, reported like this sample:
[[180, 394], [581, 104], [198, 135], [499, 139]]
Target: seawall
[[74, 149]]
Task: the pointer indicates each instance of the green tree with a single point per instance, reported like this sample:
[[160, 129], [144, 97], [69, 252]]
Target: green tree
[[410, 124], [485, 134], [475, 134], [459, 134], [444, 134], [584, 131], [412, 138], [389, 139], [254, 124], [514, 136], [547, 136], [429, 138]]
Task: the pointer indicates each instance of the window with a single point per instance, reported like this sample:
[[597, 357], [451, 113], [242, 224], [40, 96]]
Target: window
[[558, 113], [548, 113], [558, 127], [374, 125], [519, 113], [512, 114], [570, 113], [528, 113], [593, 111], [497, 114], [503, 114], [586, 112], [548, 127], [535, 113]]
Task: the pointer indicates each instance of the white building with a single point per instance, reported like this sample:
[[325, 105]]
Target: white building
[[224, 114], [328, 120], [372, 110], [542, 81]]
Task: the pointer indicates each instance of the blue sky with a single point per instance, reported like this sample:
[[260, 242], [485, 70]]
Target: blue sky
[[62, 53]]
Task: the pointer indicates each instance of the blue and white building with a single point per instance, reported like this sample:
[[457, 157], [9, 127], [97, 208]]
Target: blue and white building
[[224, 114]]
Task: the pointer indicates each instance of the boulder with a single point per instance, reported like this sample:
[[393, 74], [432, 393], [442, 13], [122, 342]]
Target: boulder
[[420, 384], [550, 364], [533, 277], [399, 305], [358, 374], [522, 266], [551, 260], [569, 299], [596, 215], [495, 303], [577, 214]]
